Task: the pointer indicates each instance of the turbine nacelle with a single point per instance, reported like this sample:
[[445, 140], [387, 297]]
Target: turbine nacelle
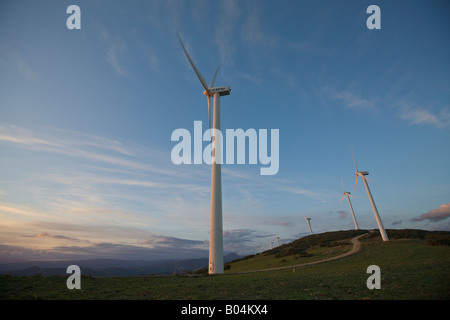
[[346, 193], [361, 174], [308, 219], [210, 90], [223, 91]]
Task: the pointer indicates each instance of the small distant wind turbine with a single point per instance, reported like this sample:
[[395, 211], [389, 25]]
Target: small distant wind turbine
[[346, 193], [215, 235], [363, 175], [278, 242], [308, 220]]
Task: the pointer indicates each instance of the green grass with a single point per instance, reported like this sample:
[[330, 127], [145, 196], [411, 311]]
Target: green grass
[[410, 269], [265, 261]]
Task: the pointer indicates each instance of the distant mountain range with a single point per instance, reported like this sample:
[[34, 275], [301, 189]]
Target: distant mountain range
[[109, 267]]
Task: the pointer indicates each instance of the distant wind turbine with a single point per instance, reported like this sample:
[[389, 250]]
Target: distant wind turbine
[[363, 175], [278, 242], [308, 221], [346, 193], [215, 235]]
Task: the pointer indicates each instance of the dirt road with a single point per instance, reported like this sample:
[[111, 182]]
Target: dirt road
[[355, 248]]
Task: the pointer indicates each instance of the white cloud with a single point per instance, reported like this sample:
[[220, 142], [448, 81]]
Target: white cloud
[[351, 100], [434, 215], [419, 115], [412, 110]]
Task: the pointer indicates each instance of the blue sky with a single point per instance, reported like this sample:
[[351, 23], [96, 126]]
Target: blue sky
[[86, 118]]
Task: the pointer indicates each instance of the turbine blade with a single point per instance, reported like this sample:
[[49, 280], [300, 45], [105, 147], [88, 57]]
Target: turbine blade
[[342, 180], [199, 75], [214, 78], [354, 160], [356, 181], [342, 198]]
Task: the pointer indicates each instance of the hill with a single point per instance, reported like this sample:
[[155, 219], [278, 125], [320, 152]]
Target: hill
[[322, 246], [327, 246]]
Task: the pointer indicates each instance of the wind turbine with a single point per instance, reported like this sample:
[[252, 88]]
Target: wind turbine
[[363, 175], [278, 241], [216, 233], [346, 193], [308, 219]]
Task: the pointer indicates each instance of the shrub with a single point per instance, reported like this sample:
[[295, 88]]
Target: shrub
[[438, 239]]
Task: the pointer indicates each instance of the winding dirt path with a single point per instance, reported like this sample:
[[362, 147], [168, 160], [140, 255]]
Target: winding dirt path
[[356, 246]]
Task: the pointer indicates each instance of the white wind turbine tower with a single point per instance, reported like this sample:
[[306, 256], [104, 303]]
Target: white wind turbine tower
[[215, 234], [346, 193], [278, 242], [363, 175], [308, 220]]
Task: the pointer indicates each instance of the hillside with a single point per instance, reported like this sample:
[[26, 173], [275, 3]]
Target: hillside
[[322, 246]]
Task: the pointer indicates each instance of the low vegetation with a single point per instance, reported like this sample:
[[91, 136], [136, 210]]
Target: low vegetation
[[414, 265]]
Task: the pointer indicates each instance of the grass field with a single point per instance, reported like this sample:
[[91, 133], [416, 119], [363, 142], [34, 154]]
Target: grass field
[[410, 269]]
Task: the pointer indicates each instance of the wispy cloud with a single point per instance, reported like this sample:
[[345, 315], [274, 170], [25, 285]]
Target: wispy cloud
[[84, 146], [280, 223], [343, 214], [21, 211], [52, 236], [230, 13], [252, 29], [116, 163], [301, 191], [416, 115], [14, 58], [350, 100], [418, 109], [115, 51]]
